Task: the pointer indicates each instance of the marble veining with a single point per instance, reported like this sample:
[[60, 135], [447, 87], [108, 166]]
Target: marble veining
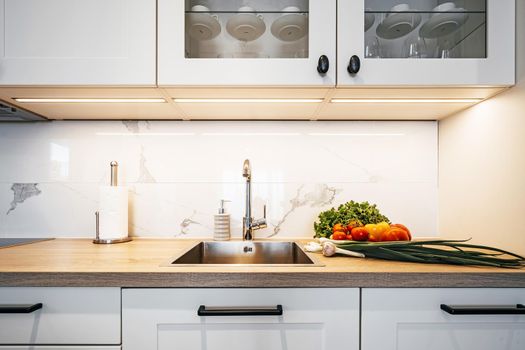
[[321, 196], [133, 126], [21, 192], [144, 173], [185, 224]]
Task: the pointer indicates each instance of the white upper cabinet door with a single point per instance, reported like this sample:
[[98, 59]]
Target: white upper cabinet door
[[426, 42], [247, 43], [77, 42]]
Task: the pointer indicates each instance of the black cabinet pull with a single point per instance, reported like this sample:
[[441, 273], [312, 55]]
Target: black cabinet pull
[[19, 309], [519, 309], [323, 64], [354, 65], [228, 311]]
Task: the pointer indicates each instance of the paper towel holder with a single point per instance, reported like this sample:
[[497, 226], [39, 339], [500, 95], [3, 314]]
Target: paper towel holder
[[113, 183], [98, 240]]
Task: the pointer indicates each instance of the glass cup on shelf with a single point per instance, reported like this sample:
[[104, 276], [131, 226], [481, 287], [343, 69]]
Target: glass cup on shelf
[[303, 53], [445, 50], [415, 47], [445, 53], [372, 47]]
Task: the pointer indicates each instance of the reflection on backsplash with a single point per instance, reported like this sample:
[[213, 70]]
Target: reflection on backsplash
[[177, 172]]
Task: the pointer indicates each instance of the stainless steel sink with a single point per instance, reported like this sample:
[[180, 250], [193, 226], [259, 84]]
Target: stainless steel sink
[[259, 253]]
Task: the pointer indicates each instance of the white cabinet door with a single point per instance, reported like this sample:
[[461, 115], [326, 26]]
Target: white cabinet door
[[77, 42], [411, 319], [207, 47], [471, 43], [312, 319], [65, 316]]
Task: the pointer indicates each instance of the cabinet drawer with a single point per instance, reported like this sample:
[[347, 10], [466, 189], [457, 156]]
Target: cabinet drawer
[[311, 319], [68, 316], [410, 319]]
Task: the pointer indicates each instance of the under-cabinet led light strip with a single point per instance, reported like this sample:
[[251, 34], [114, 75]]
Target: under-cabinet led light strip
[[411, 100], [241, 100], [90, 100], [247, 100], [145, 134]]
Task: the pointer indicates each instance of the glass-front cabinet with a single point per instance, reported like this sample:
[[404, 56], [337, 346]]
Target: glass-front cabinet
[[247, 42], [425, 42]]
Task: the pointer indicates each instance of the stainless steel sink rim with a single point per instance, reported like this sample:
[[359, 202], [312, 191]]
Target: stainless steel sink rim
[[297, 253]]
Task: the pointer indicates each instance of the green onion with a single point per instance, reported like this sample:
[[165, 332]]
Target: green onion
[[455, 252]]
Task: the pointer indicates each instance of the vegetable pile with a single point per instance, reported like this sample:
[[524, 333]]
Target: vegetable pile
[[359, 222], [360, 230]]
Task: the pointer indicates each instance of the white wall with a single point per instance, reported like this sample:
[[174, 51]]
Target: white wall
[[482, 165], [178, 171]]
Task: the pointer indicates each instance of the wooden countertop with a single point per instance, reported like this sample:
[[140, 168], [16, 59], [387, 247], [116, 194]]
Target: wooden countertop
[[78, 262]]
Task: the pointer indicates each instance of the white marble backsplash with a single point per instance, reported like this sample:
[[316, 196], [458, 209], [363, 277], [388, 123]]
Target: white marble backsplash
[[177, 172]]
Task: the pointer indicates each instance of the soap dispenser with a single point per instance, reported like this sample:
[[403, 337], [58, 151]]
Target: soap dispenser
[[221, 230]]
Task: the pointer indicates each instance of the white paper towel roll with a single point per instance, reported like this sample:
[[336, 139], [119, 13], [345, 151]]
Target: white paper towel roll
[[113, 209]]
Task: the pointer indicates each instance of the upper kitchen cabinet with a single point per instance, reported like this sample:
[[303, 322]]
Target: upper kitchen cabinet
[[78, 42], [426, 42], [246, 42]]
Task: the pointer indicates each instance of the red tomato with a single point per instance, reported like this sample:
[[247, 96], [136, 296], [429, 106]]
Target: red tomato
[[359, 234], [339, 236], [349, 237]]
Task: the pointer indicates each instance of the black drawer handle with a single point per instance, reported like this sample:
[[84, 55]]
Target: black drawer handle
[[519, 309], [228, 311], [20, 309]]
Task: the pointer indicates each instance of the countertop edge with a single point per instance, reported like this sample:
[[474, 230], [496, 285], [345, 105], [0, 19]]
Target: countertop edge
[[264, 279]]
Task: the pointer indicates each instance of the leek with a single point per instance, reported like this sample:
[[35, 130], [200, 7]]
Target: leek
[[455, 252]]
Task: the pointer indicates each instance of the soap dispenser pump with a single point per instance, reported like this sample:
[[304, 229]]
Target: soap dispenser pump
[[221, 230]]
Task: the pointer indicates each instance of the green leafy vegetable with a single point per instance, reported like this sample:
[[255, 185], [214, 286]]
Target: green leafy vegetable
[[363, 213]]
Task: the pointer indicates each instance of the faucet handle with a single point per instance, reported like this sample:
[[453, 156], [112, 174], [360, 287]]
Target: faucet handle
[[260, 223]]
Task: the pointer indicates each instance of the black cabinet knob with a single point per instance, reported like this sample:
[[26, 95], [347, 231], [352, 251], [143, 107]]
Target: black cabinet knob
[[354, 65], [323, 65]]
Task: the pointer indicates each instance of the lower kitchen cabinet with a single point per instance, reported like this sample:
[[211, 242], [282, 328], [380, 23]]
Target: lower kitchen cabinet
[[240, 319], [413, 319], [56, 316]]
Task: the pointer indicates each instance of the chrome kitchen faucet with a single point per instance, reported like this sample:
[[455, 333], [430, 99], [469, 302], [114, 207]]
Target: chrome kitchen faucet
[[248, 223]]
